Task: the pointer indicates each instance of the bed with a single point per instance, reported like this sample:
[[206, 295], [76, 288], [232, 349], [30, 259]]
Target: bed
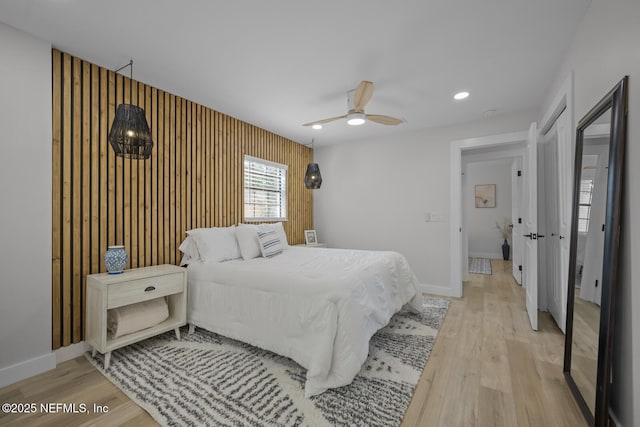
[[317, 306]]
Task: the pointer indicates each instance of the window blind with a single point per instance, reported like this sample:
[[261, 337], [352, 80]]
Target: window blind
[[584, 210], [265, 190]]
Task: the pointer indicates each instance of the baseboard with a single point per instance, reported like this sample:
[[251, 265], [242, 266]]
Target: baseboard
[[14, 373], [71, 351], [437, 290], [490, 255]]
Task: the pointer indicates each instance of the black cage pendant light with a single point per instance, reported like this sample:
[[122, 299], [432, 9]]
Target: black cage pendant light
[[130, 136], [312, 179]]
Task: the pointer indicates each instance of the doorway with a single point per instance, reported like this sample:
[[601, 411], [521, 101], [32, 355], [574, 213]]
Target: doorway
[[459, 250], [551, 235], [498, 168], [529, 223]]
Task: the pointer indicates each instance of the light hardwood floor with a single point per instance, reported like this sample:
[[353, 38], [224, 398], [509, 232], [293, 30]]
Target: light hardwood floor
[[487, 368]]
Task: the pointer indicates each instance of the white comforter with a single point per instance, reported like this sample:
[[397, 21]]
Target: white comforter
[[317, 306]]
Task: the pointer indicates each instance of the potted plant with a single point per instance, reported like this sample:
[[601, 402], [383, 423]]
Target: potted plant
[[505, 228]]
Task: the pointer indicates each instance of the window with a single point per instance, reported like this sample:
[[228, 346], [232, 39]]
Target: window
[[584, 210], [265, 190]]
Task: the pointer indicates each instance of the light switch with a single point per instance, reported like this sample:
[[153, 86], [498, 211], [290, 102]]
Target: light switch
[[437, 217], [427, 216]]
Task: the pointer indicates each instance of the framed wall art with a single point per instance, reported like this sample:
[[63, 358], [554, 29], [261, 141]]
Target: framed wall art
[[486, 196]]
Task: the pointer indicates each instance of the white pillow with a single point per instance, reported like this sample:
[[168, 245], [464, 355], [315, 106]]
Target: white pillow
[[247, 235], [190, 251], [216, 244], [270, 243], [281, 234]]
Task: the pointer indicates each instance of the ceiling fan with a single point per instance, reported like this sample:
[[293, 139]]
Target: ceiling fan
[[356, 101]]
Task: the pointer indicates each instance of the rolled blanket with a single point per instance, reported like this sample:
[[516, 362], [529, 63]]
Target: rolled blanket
[[135, 317]]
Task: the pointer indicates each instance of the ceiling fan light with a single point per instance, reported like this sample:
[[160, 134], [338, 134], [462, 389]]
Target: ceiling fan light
[[355, 119], [460, 95]]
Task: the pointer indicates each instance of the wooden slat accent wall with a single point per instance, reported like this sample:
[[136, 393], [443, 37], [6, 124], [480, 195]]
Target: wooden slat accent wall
[[193, 179]]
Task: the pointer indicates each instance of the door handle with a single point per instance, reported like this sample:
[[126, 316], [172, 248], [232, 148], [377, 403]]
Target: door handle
[[553, 234], [561, 237], [540, 235], [532, 236]]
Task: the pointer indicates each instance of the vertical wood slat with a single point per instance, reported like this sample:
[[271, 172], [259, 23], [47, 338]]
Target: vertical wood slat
[[155, 105], [193, 179], [188, 171], [110, 221], [56, 205], [167, 177], [86, 171], [160, 177], [132, 184], [153, 231], [172, 180], [76, 196], [67, 235], [142, 208], [147, 181], [95, 159], [178, 230]]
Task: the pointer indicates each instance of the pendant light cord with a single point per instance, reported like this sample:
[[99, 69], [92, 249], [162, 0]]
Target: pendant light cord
[[130, 64]]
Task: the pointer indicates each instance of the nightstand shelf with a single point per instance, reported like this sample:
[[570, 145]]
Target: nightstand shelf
[[106, 291]]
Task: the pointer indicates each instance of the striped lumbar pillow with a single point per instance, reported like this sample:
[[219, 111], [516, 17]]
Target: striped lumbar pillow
[[270, 243]]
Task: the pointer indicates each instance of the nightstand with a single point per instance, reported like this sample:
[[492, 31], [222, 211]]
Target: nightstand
[[316, 245], [106, 291]]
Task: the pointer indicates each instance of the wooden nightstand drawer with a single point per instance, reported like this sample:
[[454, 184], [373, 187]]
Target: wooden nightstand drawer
[[133, 291]]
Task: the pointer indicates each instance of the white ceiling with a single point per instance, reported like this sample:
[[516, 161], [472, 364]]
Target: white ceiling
[[280, 63]]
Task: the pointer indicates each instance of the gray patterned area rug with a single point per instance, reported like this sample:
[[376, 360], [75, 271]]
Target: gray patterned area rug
[[210, 380], [479, 265]]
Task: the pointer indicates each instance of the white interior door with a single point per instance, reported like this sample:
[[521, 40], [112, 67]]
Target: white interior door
[[465, 226], [530, 267], [516, 214], [543, 205], [565, 151], [552, 226]]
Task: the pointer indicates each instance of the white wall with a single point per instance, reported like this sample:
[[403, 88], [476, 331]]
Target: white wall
[[605, 48], [375, 193], [25, 217], [485, 240]]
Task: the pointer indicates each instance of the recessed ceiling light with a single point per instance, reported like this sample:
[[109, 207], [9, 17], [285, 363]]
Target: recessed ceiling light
[[317, 126], [460, 95]]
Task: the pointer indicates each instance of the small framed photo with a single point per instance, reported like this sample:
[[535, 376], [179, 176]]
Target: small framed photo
[[486, 196], [310, 237]]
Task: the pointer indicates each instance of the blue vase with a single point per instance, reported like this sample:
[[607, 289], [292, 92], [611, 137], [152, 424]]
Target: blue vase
[[115, 259]]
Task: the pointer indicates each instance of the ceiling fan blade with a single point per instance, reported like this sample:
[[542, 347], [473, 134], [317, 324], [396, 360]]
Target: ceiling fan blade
[[321, 122], [362, 95], [384, 120]]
